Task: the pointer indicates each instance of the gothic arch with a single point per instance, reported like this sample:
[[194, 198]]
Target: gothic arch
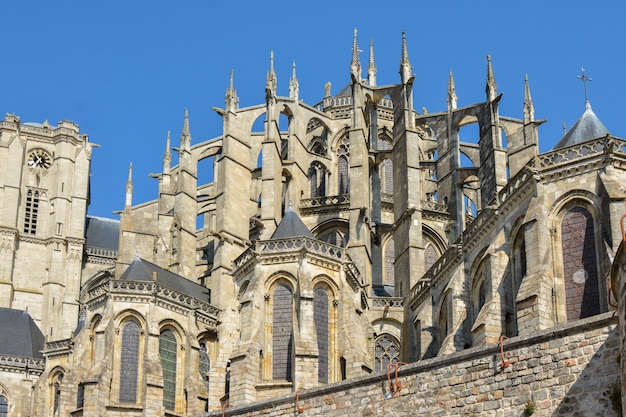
[[334, 231]]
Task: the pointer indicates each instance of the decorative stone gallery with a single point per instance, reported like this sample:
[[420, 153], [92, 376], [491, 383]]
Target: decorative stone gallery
[[342, 240]]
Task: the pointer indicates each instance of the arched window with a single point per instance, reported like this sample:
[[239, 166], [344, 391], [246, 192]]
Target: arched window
[[430, 256], [317, 179], [31, 212], [129, 362], [582, 296], [386, 351], [386, 168], [57, 379], [204, 365], [4, 406], [321, 318], [167, 352], [282, 334], [335, 237], [343, 166], [390, 257]]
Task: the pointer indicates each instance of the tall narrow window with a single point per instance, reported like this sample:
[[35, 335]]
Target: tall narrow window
[[582, 297], [321, 319], [343, 167], [386, 351], [390, 258], [80, 396], [56, 386], [31, 212], [282, 335], [167, 350], [205, 364], [442, 321], [129, 362], [317, 179], [4, 406]]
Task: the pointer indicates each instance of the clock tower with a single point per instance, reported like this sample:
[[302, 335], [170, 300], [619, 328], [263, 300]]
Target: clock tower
[[44, 182]]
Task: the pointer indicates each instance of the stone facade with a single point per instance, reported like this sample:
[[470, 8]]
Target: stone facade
[[338, 239]]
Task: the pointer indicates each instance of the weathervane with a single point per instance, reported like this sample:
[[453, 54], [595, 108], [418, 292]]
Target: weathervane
[[584, 79]]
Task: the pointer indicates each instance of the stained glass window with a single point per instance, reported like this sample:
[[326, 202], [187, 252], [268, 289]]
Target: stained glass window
[[320, 317], [282, 336], [129, 362], [167, 350], [582, 296]]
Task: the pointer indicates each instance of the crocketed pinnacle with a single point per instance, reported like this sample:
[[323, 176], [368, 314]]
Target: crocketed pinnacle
[[371, 68], [452, 97], [355, 64], [529, 109], [270, 84], [492, 88], [232, 101], [294, 87], [405, 65]]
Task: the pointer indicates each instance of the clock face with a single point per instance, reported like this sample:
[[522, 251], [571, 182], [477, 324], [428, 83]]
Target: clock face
[[39, 159]]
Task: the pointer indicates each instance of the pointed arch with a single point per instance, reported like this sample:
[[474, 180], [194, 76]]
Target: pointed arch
[[343, 166], [386, 350], [317, 176], [282, 332]]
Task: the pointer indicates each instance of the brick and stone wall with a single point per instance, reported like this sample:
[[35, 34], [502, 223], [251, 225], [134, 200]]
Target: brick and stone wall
[[567, 370]]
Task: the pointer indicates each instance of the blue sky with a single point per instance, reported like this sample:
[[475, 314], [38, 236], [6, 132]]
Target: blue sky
[[125, 70]]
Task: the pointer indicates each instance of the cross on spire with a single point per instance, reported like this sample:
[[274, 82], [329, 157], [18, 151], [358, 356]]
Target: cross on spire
[[584, 79]]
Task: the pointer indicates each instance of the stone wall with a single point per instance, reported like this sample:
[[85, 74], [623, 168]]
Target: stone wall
[[565, 371]]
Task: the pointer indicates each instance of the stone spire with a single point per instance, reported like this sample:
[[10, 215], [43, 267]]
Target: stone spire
[[371, 68], [129, 187], [355, 64], [405, 65], [167, 156], [492, 88], [294, 87], [529, 109], [232, 101], [452, 98], [270, 83], [185, 136]]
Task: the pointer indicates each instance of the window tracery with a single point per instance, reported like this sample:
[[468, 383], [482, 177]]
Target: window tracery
[[386, 351]]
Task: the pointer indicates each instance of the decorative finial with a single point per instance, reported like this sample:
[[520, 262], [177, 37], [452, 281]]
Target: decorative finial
[[492, 88], [529, 109], [452, 98], [564, 128], [371, 68], [584, 79], [405, 65]]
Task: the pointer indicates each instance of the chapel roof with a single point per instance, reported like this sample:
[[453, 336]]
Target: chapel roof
[[142, 270], [291, 226], [587, 127], [21, 336]]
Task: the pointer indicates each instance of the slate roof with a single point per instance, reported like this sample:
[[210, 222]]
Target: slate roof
[[142, 270], [20, 335], [587, 127], [102, 233], [291, 226]]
